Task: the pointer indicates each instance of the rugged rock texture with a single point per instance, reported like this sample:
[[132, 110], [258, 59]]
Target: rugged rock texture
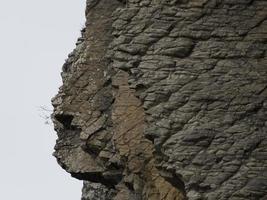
[[167, 100]]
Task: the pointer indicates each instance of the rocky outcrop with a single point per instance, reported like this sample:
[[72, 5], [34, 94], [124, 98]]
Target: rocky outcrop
[[166, 100]]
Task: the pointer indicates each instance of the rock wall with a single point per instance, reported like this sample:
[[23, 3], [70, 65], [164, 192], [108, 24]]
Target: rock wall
[[166, 100]]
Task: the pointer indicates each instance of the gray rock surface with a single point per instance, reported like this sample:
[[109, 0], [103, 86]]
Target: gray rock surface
[[167, 99]]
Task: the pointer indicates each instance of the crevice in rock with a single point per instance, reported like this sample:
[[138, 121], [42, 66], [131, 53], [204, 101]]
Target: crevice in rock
[[65, 120], [98, 177]]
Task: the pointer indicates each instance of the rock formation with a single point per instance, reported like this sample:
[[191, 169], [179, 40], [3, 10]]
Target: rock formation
[[166, 100]]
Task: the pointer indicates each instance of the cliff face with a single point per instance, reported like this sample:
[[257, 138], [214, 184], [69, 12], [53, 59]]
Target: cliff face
[[167, 100]]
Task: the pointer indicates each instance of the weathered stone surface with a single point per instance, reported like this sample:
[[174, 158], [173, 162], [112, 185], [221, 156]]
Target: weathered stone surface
[[167, 99]]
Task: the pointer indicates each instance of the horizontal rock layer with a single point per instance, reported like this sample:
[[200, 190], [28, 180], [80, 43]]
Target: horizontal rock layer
[[166, 100]]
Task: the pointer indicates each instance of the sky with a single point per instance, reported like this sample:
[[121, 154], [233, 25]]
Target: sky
[[35, 38]]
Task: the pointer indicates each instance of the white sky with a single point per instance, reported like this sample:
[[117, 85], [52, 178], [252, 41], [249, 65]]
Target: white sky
[[35, 39]]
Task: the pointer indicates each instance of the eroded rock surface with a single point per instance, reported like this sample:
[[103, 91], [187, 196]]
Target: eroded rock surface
[[167, 100]]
